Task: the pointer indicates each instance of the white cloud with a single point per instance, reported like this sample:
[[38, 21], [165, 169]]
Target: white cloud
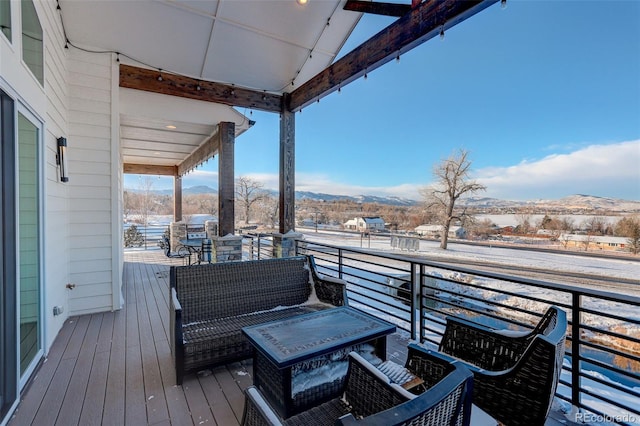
[[322, 183], [603, 170], [607, 170]]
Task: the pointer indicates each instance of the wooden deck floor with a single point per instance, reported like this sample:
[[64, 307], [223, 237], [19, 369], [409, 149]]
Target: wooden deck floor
[[115, 368]]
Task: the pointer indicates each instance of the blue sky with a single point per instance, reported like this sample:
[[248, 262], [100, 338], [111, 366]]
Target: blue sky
[[545, 95]]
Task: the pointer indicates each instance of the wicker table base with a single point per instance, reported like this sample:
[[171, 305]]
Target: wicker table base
[[310, 340]]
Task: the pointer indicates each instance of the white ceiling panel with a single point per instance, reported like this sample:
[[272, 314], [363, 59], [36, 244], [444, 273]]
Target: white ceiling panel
[[259, 44], [253, 58]]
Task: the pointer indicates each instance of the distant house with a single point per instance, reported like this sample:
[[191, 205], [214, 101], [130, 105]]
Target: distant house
[[592, 242], [435, 231], [365, 224]]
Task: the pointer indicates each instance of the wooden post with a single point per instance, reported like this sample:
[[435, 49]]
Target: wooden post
[[177, 198], [226, 179], [287, 171]]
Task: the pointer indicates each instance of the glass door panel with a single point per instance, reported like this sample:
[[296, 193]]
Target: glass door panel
[[8, 287], [28, 241]]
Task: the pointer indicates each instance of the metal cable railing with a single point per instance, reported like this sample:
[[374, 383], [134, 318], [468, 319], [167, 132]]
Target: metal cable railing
[[601, 372]]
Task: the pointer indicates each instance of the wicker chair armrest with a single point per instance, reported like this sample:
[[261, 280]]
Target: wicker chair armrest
[[175, 303], [482, 346], [328, 289], [430, 366], [257, 411], [176, 337], [368, 391], [447, 402]]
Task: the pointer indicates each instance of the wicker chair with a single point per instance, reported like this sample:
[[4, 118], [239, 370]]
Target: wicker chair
[[371, 399], [515, 374], [181, 253]]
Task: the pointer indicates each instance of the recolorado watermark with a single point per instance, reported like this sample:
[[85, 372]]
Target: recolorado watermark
[[606, 418]]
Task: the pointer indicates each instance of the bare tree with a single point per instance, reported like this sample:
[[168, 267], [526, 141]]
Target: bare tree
[[268, 211], [249, 192], [524, 222], [452, 182], [630, 227]]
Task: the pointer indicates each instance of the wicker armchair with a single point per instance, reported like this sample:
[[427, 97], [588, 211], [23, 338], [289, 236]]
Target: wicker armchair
[[515, 374], [180, 253], [371, 399]]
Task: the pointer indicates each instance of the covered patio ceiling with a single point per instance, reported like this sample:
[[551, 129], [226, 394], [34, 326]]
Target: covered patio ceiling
[[272, 55], [266, 46]]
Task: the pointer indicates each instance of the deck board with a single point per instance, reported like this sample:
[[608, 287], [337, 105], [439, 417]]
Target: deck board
[[116, 368]]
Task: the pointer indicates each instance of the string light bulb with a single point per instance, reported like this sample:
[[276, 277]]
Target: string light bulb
[[442, 32], [160, 75], [503, 4], [302, 2]]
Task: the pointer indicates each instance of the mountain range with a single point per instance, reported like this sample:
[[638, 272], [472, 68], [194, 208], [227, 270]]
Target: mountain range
[[572, 202]]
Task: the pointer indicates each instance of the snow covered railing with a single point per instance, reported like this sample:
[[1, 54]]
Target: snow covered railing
[[601, 372]]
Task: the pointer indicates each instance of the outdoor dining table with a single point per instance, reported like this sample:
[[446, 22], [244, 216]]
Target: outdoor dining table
[[282, 346], [195, 247]]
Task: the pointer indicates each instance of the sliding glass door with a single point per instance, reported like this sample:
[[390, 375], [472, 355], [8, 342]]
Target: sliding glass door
[[20, 249], [29, 240], [8, 259]]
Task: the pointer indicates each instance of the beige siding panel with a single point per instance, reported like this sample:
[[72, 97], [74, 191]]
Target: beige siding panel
[[93, 105], [90, 81], [94, 229], [88, 129], [90, 180], [89, 290], [93, 266], [93, 192], [95, 217], [94, 165], [88, 93], [90, 305], [91, 241], [92, 277], [56, 214], [84, 255], [95, 144], [90, 145], [80, 205], [93, 65], [94, 118]]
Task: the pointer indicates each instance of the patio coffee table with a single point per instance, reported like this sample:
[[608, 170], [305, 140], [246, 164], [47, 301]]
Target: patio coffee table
[[311, 343]]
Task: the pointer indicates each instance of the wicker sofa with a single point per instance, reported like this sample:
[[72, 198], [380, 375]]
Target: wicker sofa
[[210, 303]]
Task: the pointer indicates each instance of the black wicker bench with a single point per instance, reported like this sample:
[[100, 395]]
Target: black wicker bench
[[209, 305]]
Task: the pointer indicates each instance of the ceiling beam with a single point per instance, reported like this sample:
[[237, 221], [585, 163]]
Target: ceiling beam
[[204, 152], [149, 169], [377, 8], [186, 87], [419, 25]]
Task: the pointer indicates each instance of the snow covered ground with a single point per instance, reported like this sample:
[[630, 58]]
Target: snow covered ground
[[629, 269]]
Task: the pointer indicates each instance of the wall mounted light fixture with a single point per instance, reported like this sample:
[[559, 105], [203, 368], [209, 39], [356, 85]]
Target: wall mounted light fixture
[[61, 159]]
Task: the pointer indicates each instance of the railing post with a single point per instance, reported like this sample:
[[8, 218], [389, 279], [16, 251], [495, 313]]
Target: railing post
[[340, 263], [259, 239], [575, 348], [415, 292]]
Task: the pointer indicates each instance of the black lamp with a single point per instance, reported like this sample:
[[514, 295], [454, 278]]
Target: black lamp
[[61, 159]]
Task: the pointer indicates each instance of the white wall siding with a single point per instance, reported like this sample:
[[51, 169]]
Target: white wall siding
[[56, 229], [91, 173]]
